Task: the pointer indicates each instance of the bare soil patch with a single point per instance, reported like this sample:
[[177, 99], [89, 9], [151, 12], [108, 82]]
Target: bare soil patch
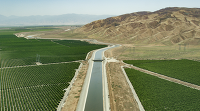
[[155, 52], [121, 96], [62, 32]]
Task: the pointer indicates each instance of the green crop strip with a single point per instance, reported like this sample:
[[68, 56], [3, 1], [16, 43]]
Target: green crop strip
[[185, 70], [39, 87], [20, 51], [158, 94], [36, 87], [37, 75]]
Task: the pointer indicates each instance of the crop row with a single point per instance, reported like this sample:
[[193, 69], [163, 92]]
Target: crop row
[[37, 75], [35, 98], [158, 94], [36, 87], [185, 70], [20, 51]]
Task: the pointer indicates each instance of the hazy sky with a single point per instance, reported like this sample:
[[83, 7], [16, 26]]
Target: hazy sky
[[97, 7]]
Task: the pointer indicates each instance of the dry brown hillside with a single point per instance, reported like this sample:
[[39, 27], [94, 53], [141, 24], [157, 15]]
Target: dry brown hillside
[[166, 26]]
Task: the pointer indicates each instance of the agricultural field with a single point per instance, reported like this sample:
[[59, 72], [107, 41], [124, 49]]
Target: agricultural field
[[28, 86], [28, 28], [37, 87], [185, 70], [158, 94], [16, 51]]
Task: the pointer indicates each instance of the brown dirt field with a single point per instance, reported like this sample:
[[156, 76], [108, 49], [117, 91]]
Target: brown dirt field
[[121, 97], [155, 52], [73, 97], [59, 33]]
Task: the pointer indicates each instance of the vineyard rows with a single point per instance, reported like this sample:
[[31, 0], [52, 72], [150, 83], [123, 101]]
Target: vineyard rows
[[20, 51], [185, 70], [158, 94], [27, 86], [37, 87]]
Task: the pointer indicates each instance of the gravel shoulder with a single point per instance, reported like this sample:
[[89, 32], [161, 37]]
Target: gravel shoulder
[[121, 96]]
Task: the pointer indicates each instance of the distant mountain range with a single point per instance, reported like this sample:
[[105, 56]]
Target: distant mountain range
[[66, 19], [168, 26]]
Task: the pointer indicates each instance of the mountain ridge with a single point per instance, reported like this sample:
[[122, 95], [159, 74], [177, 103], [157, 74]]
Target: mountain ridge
[[168, 26], [65, 19]]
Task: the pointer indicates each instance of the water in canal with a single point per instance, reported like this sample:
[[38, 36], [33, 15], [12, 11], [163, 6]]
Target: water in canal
[[94, 100], [95, 92]]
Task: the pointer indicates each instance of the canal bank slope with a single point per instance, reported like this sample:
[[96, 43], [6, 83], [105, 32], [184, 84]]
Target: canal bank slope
[[121, 96], [95, 84], [118, 100]]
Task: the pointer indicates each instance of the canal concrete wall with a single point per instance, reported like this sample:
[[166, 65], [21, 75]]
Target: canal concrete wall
[[83, 95], [84, 91]]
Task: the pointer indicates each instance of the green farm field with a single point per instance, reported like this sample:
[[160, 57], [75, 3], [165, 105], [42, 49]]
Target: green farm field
[[35, 88], [32, 86], [185, 70], [16, 51], [157, 94]]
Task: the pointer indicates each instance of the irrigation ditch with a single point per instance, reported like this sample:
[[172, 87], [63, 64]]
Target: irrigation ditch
[[84, 93]]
